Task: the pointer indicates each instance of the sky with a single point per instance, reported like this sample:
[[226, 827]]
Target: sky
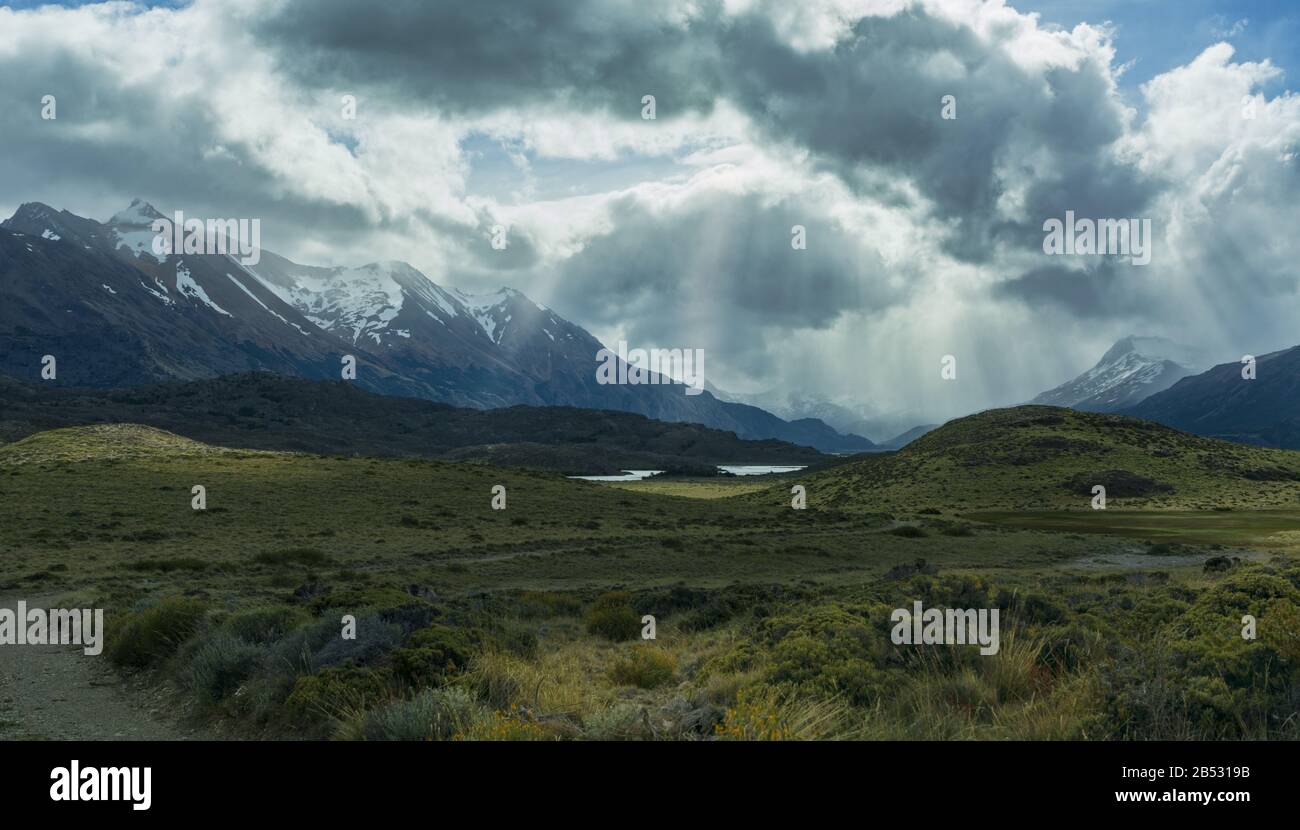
[[924, 234]]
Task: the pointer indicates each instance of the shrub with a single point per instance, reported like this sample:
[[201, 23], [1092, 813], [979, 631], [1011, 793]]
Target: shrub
[[611, 616], [220, 664], [831, 649], [540, 604], [265, 625], [293, 653], [432, 715], [318, 698], [908, 531], [374, 638], [433, 653], [143, 638], [373, 597], [645, 667]]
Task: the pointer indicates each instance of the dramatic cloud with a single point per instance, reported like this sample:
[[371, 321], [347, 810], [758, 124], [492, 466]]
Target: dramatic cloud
[[924, 234]]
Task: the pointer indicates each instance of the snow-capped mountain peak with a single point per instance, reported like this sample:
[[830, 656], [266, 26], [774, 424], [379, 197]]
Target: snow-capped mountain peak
[[486, 299], [139, 214], [132, 229], [33, 212], [1153, 348], [1130, 371], [493, 310]]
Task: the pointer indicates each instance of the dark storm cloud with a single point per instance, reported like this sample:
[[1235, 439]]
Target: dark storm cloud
[[873, 103], [1107, 289], [869, 104], [493, 54]]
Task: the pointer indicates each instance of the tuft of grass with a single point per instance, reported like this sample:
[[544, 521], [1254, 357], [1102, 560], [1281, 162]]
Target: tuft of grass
[[783, 714], [432, 715], [563, 682]]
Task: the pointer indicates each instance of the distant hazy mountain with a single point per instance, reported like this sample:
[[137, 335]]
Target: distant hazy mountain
[[903, 439], [1131, 370], [846, 417], [115, 313], [1221, 403]]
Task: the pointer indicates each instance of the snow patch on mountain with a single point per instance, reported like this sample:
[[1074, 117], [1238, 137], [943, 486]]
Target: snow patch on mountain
[[258, 300], [138, 243], [186, 285], [353, 302], [161, 294]]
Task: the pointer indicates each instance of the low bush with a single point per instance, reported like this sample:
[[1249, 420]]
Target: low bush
[[318, 699], [220, 665], [612, 616], [432, 715], [432, 654], [143, 638], [267, 624], [645, 666], [908, 532]]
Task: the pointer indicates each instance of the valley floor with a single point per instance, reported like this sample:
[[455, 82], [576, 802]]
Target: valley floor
[[527, 622]]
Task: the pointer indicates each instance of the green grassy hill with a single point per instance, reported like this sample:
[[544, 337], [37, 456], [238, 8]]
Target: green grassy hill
[[1047, 458], [102, 442]]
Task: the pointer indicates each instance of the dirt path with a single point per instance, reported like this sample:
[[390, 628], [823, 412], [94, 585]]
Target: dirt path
[[59, 693]]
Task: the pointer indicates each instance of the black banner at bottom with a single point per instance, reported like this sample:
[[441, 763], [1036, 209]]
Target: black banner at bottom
[[332, 780]]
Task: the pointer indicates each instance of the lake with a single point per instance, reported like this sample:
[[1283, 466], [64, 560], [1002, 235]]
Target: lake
[[735, 470]]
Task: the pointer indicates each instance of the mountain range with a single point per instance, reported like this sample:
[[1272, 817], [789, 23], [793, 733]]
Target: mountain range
[[1221, 402], [1162, 381], [114, 313]]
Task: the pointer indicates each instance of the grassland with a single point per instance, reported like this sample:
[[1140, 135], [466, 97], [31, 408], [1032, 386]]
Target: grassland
[[525, 623]]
